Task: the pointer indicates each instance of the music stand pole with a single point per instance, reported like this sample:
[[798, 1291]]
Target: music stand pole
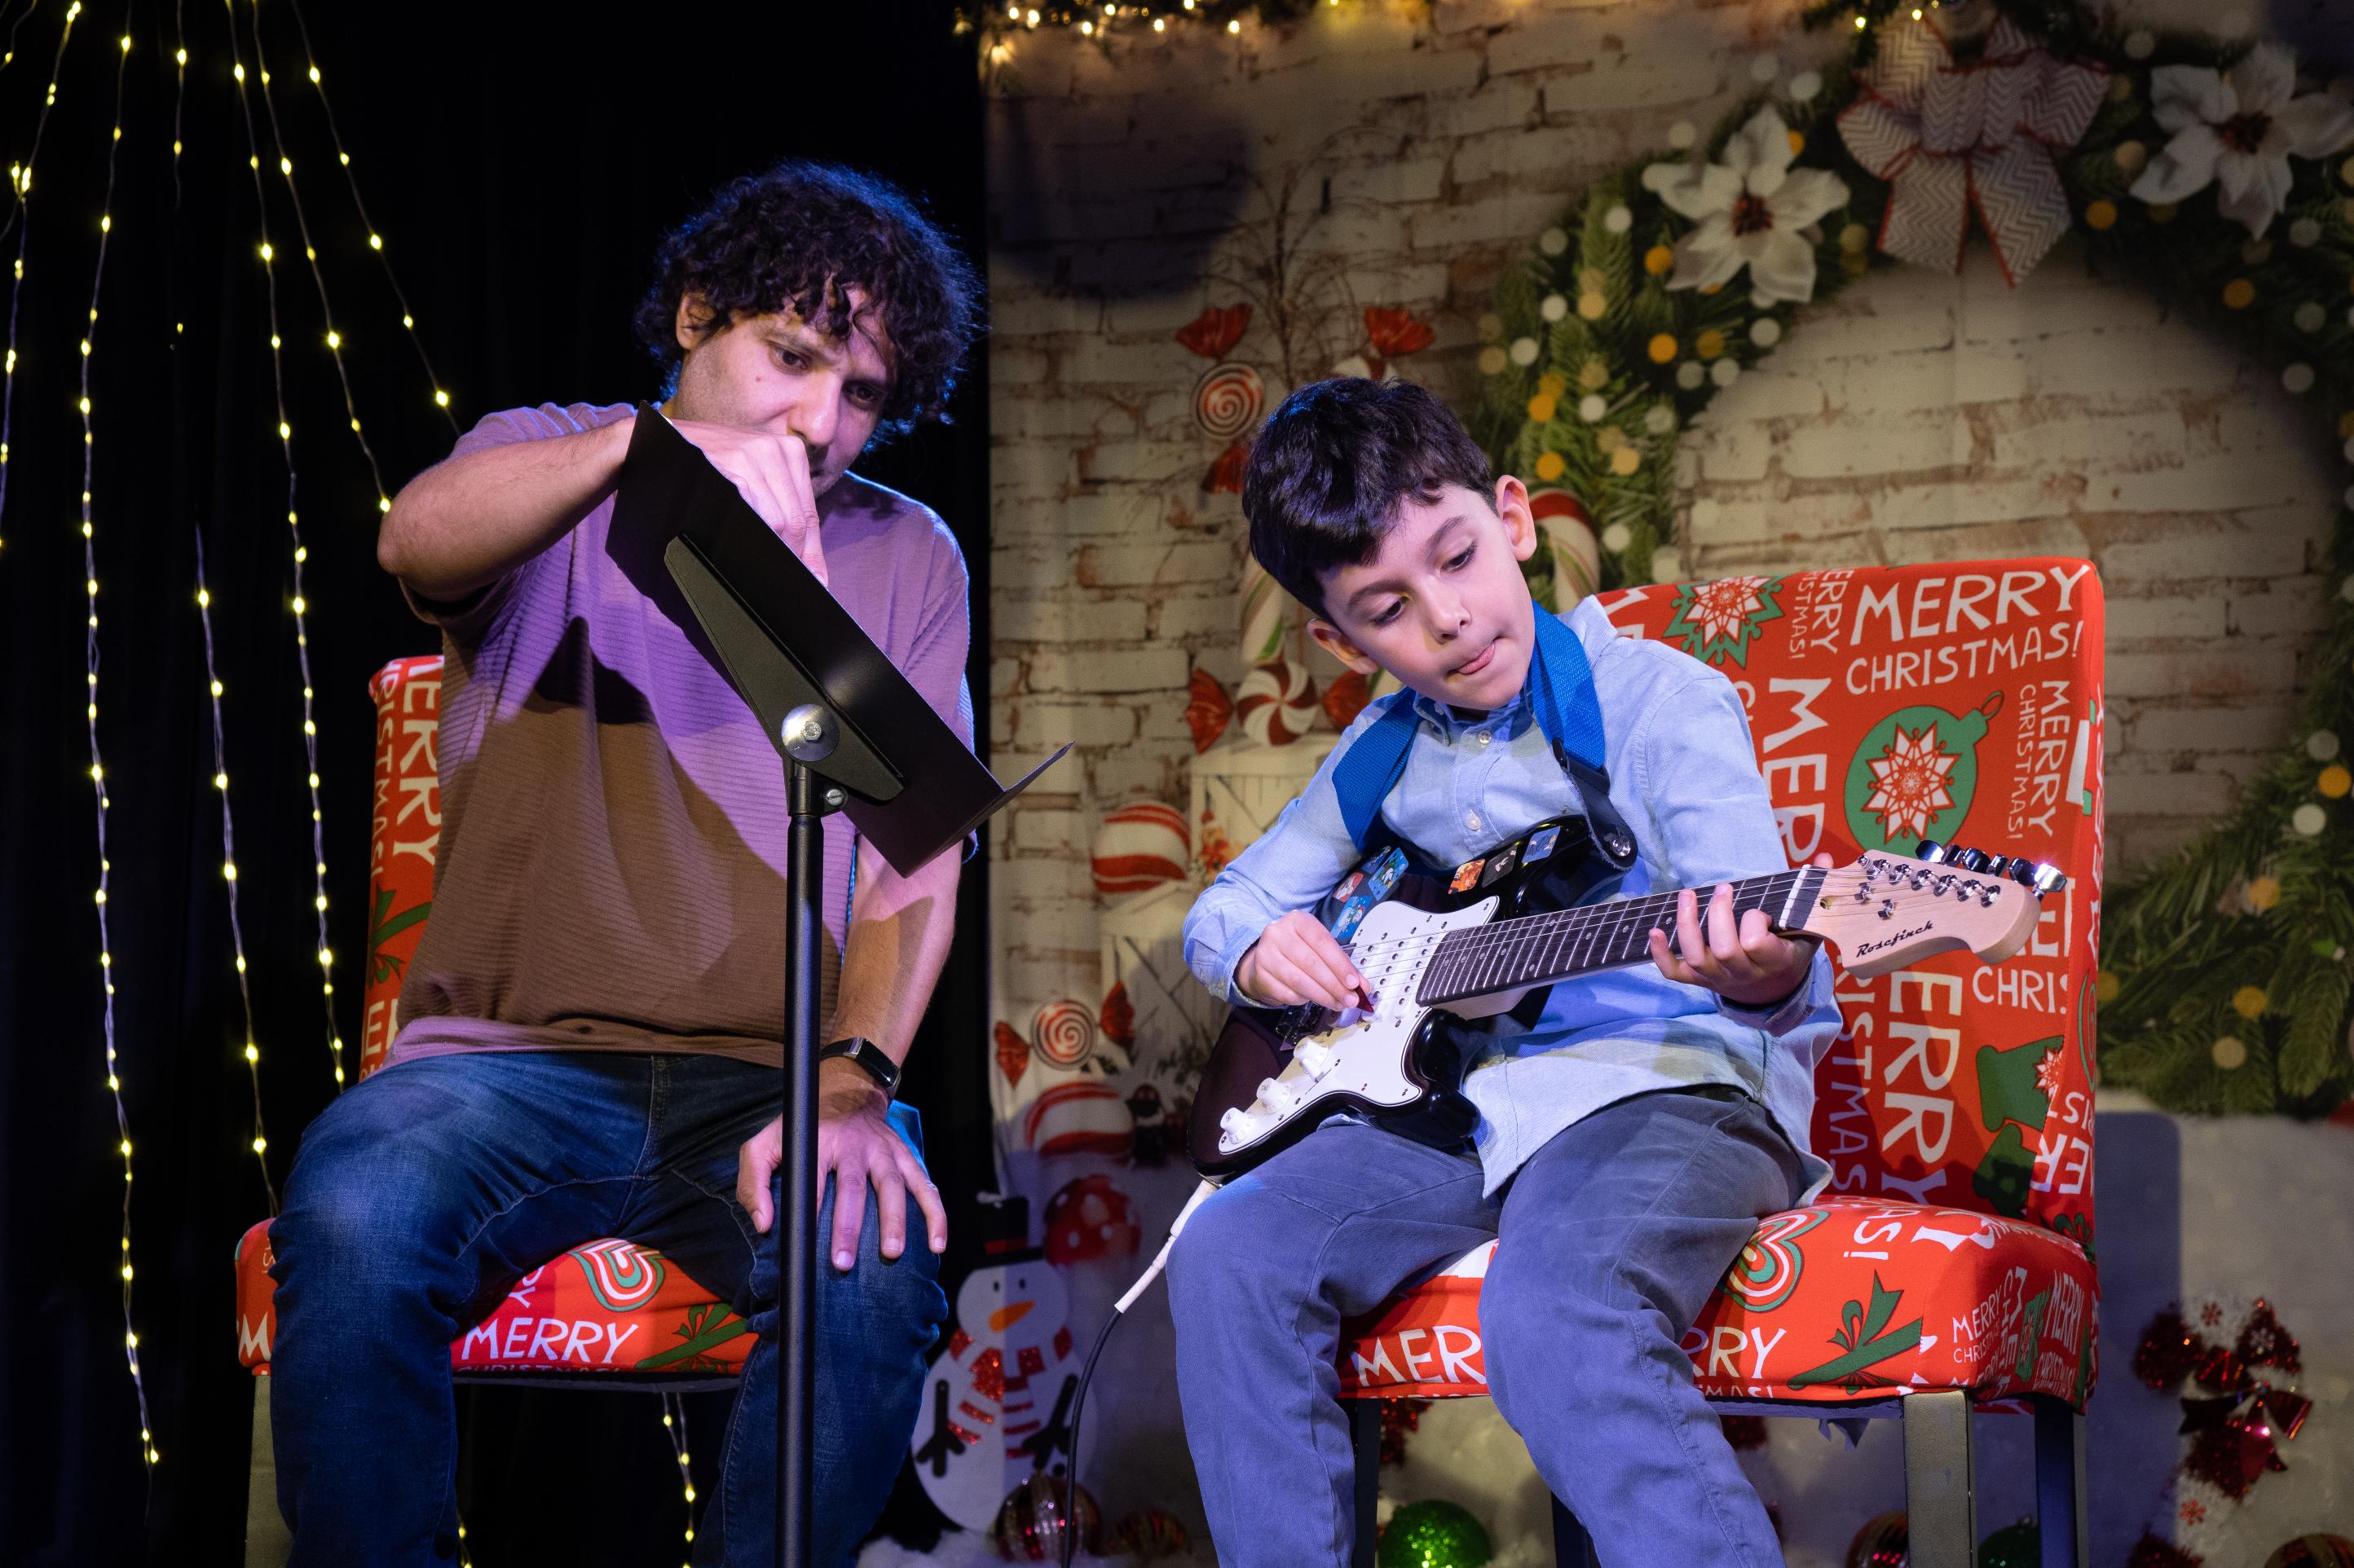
[[796, 1239]]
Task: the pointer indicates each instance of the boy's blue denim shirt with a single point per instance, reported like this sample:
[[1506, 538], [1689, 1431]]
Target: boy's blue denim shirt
[[1684, 777]]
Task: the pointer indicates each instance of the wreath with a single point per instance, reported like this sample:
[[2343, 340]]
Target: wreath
[[2194, 167]]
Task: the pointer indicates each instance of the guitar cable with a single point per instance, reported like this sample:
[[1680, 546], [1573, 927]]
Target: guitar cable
[[1087, 1373]]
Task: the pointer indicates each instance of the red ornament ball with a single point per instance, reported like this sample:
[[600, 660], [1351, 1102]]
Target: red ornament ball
[[1882, 1542], [1090, 1220], [1149, 1533], [1030, 1522], [2314, 1552]]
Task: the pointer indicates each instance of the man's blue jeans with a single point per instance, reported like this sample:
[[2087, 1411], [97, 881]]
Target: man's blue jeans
[[421, 1195], [1614, 1233]]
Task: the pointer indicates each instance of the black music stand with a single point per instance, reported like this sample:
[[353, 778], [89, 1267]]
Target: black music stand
[[855, 737]]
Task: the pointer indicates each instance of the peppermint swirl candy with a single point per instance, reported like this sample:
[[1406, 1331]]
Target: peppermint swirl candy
[[1228, 400], [1064, 1033]]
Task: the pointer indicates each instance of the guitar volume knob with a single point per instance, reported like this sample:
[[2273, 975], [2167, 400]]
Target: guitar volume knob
[[1314, 1060], [1277, 1096]]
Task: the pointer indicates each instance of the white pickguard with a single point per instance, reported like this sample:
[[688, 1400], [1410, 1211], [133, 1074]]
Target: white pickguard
[[1392, 948]]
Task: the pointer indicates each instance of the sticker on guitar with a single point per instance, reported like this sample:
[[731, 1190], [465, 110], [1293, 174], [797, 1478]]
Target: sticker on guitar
[[1472, 946]]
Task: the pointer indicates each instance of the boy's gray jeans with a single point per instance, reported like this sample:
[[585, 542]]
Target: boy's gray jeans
[[1613, 1234]]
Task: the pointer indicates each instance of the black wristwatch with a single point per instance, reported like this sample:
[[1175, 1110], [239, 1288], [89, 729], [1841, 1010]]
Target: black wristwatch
[[869, 1056]]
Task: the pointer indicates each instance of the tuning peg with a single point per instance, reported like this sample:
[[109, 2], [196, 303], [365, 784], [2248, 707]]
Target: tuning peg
[[2047, 879], [1968, 859], [1931, 850]]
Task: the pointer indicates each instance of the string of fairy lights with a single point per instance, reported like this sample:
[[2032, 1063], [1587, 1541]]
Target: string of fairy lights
[[674, 1406], [228, 873], [20, 184], [298, 603], [150, 1453]]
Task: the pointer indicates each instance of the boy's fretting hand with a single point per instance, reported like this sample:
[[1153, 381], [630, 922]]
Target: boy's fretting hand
[[1745, 963], [1296, 960]]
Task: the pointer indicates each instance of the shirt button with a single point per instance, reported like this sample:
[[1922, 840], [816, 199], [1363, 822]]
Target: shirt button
[[1486, 735], [1471, 820]]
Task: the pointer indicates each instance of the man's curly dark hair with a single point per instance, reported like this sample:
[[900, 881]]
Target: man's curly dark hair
[[777, 238]]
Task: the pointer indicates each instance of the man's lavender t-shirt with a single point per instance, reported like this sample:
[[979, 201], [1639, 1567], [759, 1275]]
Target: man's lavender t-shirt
[[612, 867]]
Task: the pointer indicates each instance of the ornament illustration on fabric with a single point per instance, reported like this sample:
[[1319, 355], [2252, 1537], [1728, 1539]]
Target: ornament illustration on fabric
[[1717, 621], [2015, 1090], [621, 1275], [1771, 1265], [997, 1400], [1914, 776]]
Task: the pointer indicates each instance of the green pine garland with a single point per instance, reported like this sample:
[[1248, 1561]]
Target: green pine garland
[[2227, 977]]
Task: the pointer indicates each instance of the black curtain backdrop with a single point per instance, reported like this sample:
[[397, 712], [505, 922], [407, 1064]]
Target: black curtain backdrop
[[520, 163]]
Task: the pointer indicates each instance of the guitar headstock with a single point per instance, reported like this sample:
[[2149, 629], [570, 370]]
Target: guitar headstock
[[1884, 911]]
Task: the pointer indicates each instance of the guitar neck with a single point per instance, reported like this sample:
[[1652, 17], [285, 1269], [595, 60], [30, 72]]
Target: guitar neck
[[1538, 950]]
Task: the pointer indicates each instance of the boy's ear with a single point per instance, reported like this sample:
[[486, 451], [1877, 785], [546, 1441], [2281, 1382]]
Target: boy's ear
[[1520, 523], [1335, 641], [689, 324]]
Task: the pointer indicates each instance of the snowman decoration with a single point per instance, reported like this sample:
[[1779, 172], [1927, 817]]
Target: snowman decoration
[[997, 1402]]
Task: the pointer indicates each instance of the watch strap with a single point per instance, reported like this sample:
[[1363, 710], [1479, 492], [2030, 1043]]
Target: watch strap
[[870, 1058]]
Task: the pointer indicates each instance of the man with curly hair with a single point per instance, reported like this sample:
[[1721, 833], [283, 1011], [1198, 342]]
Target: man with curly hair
[[588, 1035]]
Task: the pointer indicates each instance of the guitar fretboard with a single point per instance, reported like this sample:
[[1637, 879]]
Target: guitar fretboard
[[1537, 950]]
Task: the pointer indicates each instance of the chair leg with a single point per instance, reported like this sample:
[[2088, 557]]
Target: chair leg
[[2063, 1521], [1572, 1546], [1940, 1516], [1365, 1443], [268, 1544]]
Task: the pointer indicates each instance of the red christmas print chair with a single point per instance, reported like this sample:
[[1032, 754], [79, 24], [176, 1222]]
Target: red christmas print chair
[[1949, 1267], [608, 1314]]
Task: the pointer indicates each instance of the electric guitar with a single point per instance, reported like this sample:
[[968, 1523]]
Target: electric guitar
[[1494, 936]]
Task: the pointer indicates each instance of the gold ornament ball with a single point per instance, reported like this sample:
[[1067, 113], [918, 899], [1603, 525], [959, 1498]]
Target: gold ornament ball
[[2131, 157], [1552, 384], [2105, 985], [1625, 461], [2264, 892], [2102, 215], [1491, 361], [1550, 467], [1709, 343], [2335, 780], [1592, 375], [1659, 259], [2238, 294], [2248, 1001], [2228, 1054], [1542, 407], [1663, 348]]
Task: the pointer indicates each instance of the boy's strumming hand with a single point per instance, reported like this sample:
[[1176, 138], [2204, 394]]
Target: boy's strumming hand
[[1742, 962], [1296, 960]]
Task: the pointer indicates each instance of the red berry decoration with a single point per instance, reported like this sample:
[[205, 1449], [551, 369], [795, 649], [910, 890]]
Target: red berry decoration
[[2265, 1343]]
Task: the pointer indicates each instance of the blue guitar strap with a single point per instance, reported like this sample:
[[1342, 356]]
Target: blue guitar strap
[[1568, 711]]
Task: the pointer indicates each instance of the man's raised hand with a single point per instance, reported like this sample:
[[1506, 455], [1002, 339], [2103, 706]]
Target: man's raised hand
[[772, 474]]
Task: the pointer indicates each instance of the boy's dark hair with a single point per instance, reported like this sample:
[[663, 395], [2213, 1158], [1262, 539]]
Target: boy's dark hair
[[770, 241], [1334, 465]]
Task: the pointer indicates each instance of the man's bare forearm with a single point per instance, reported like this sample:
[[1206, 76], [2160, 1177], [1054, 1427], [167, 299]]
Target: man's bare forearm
[[899, 932], [469, 520]]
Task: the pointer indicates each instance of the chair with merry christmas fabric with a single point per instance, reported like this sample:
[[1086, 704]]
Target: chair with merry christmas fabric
[[1949, 1267], [608, 1314]]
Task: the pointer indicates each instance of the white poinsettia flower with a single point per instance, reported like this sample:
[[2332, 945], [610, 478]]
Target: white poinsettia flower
[[2237, 130], [1748, 211]]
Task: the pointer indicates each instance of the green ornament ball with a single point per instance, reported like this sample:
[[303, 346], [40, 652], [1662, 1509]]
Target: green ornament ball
[[1432, 1534], [2014, 1546]]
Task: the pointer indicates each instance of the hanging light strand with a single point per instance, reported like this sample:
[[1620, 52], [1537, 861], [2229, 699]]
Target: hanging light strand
[[8, 54], [149, 1453], [310, 255], [229, 864], [374, 238], [295, 527], [20, 182], [675, 1407]]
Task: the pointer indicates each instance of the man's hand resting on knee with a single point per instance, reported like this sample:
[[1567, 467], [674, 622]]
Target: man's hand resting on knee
[[857, 1145]]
